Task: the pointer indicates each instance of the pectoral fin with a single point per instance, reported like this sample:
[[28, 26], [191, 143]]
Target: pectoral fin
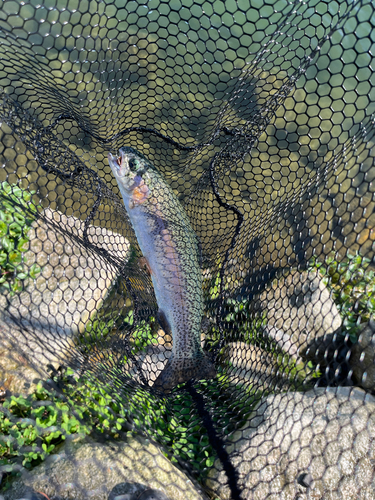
[[143, 262], [163, 322]]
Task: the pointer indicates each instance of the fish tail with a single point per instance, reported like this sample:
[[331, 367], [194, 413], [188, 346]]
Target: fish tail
[[180, 370]]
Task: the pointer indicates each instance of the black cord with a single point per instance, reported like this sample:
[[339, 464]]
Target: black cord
[[237, 230], [215, 441], [128, 130]]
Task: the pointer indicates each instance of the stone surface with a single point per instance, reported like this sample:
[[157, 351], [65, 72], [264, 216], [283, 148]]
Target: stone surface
[[90, 470], [25, 358], [316, 445], [251, 366], [153, 495], [73, 281], [300, 312], [150, 362], [39, 324], [362, 358], [284, 340], [17, 376]]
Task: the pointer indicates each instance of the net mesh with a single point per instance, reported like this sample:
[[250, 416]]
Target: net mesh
[[259, 118]]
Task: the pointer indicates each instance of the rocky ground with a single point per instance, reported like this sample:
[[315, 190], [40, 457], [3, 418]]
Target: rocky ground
[[318, 444], [315, 445], [85, 469]]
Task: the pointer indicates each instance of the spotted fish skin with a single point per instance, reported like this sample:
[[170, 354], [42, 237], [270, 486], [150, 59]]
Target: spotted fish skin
[[170, 249]]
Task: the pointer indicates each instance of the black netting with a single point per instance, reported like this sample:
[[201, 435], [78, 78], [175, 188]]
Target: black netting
[[208, 331]]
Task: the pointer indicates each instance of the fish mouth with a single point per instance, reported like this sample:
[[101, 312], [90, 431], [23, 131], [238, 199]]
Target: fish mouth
[[119, 164]]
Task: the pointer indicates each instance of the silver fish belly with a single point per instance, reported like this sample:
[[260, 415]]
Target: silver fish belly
[[169, 246]]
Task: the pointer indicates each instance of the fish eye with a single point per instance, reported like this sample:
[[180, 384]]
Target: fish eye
[[132, 164]]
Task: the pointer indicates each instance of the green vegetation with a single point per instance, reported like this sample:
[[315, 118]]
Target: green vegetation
[[97, 329], [32, 428], [144, 334], [17, 212], [241, 322], [352, 284], [181, 429], [173, 422], [244, 324], [102, 325]]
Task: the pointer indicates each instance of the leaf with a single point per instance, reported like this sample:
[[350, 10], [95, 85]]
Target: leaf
[[3, 257], [34, 271], [22, 276], [20, 441], [6, 217], [23, 244], [19, 218], [15, 191], [15, 257], [3, 228], [7, 243], [53, 436], [38, 412]]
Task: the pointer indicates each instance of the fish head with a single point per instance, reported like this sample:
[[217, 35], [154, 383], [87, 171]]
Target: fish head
[[129, 167], [132, 172]]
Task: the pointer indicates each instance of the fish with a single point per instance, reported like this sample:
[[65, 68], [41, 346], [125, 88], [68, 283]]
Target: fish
[[171, 254]]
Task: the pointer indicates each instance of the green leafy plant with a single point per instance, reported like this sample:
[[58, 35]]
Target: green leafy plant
[[103, 324], [176, 424], [229, 408], [352, 284], [97, 329], [144, 334], [241, 324], [32, 428], [17, 212], [240, 321]]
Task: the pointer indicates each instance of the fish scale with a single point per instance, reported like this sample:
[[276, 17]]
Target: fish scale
[[170, 249]]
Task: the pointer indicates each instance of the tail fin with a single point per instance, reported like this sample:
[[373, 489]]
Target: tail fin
[[179, 370]]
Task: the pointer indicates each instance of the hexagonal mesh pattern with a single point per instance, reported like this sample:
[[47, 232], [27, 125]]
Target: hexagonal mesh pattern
[[218, 298]]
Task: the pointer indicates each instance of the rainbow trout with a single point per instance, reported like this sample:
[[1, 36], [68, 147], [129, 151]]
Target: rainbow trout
[[170, 250]]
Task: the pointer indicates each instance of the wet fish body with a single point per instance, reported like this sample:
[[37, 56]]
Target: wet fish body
[[169, 246]]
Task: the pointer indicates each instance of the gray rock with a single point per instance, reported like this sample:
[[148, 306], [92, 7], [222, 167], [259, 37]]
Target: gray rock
[[19, 373], [88, 469], [73, 282], [283, 340], [153, 495], [150, 363], [326, 350], [251, 366], [306, 480], [362, 358], [137, 491], [300, 312], [40, 323], [149, 494], [316, 445], [32, 495]]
